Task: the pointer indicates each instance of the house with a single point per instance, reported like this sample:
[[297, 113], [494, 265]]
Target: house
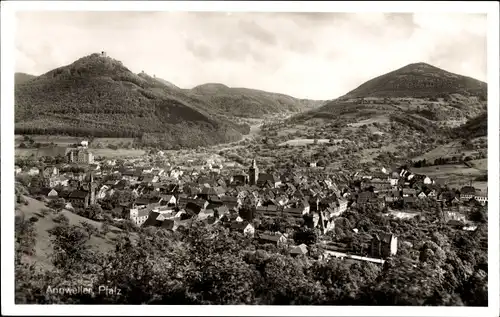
[[169, 200], [393, 196], [102, 193], [139, 216], [33, 171], [409, 200], [432, 194], [422, 195], [299, 250], [50, 171], [244, 227], [427, 180], [48, 192], [17, 170], [54, 181], [194, 208], [267, 211], [394, 179], [148, 179], [296, 213], [409, 192], [79, 198], [277, 239], [267, 179], [481, 197], [384, 245], [467, 193]]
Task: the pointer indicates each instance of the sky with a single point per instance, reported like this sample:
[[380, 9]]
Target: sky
[[306, 55]]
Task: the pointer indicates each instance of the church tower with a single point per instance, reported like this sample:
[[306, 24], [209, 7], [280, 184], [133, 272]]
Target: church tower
[[253, 173], [92, 189]]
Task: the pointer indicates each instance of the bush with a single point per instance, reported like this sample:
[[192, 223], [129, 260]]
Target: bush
[[46, 211], [61, 219]]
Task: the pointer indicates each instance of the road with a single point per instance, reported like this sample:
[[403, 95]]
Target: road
[[254, 131]]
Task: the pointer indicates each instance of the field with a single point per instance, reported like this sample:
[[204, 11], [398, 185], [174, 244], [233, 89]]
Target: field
[[106, 153], [369, 154], [302, 142], [447, 150], [454, 175], [62, 140], [120, 153], [481, 164], [379, 119]]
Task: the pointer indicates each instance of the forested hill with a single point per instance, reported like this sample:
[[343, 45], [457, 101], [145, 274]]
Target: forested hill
[[98, 95]]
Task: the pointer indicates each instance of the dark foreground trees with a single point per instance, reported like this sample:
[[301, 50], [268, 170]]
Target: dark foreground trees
[[212, 265]]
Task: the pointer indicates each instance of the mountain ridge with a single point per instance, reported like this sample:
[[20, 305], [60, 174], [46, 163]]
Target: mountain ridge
[[418, 80], [418, 94], [97, 94]]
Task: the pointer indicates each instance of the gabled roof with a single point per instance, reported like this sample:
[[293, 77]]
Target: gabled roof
[[239, 225], [78, 194], [151, 221], [46, 191], [467, 190], [300, 249], [383, 237], [269, 237], [265, 177]]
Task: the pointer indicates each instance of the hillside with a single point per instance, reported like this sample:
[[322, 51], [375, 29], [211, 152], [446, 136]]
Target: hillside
[[419, 95], [243, 102], [419, 80], [474, 128], [98, 95], [21, 78]]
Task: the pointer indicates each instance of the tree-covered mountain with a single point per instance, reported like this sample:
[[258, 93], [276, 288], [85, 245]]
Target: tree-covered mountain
[[97, 95], [21, 78], [419, 80]]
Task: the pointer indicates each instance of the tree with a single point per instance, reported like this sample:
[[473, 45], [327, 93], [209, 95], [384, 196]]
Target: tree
[[89, 228], [71, 251], [93, 212], [305, 235], [57, 204]]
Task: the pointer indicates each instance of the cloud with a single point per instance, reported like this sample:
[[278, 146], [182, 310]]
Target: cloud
[[199, 49], [307, 55], [257, 32]]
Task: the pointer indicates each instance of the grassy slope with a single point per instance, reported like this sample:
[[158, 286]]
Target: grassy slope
[[43, 245]]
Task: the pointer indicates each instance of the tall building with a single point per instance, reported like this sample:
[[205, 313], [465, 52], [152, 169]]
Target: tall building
[[80, 155], [253, 173]]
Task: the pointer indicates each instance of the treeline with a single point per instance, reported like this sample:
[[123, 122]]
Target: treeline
[[78, 132], [475, 127], [447, 160], [211, 265], [416, 123]]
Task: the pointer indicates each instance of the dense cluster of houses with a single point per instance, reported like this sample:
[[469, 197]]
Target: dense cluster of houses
[[172, 197]]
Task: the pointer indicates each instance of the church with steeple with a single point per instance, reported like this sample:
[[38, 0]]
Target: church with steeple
[[253, 173], [86, 194]]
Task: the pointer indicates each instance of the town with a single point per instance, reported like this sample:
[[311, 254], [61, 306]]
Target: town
[[281, 207]]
